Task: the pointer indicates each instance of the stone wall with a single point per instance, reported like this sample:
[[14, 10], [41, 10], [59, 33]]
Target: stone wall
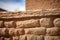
[[42, 4], [30, 25]]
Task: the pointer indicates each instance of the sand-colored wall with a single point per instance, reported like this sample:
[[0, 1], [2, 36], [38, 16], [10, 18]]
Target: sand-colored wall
[[42, 4], [33, 25]]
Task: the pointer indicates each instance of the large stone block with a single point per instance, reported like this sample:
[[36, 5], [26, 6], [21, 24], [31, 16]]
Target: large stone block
[[15, 32], [22, 37], [3, 31], [52, 37], [1, 24], [46, 22], [27, 23], [19, 32], [15, 38], [7, 38], [34, 37], [37, 31], [57, 22], [9, 24], [53, 31]]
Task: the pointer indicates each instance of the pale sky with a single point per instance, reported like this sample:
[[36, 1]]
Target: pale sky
[[12, 5]]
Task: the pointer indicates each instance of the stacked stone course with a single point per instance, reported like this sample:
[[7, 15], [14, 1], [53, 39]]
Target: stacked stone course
[[30, 25]]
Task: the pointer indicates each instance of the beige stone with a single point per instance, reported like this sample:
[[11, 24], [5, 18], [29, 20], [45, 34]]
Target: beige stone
[[22, 37], [37, 31], [2, 31], [42, 4], [15, 38], [19, 32], [27, 24], [46, 22], [7, 38], [31, 37], [9, 24], [56, 22], [52, 37], [1, 24], [15, 32], [34, 37], [53, 31], [11, 31]]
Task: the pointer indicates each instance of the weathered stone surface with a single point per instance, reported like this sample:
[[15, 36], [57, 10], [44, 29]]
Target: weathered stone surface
[[46, 22], [1, 24], [42, 4], [40, 38], [3, 31], [9, 24], [27, 24], [53, 31], [22, 37], [19, 32], [56, 22], [31, 37], [7, 38], [52, 37], [15, 38], [37, 31], [15, 32], [34, 37]]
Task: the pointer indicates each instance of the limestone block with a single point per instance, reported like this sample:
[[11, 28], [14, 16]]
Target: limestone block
[[11, 31], [53, 31], [15, 32], [15, 38], [1, 24], [52, 37], [45, 22], [3, 31], [19, 32], [27, 24], [37, 31], [56, 22], [9, 24], [22, 37], [34, 37], [7, 38]]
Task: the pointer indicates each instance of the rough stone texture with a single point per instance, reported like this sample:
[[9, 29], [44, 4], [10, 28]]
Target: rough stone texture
[[52, 37], [7, 38], [57, 22], [1, 24], [46, 22], [15, 32], [35, 37], [42, 4], [15, 38], [22, 37], [37, 31], [9, 24], [27, 24], [3, 31], [53, 31], [30, 25]]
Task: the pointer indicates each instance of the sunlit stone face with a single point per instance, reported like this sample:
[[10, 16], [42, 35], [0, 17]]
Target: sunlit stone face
[[42, 4]]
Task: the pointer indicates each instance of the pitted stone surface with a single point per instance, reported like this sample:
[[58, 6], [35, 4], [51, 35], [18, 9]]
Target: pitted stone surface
[[27, 24], [30, 25], [46, 22], [57, 22]]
